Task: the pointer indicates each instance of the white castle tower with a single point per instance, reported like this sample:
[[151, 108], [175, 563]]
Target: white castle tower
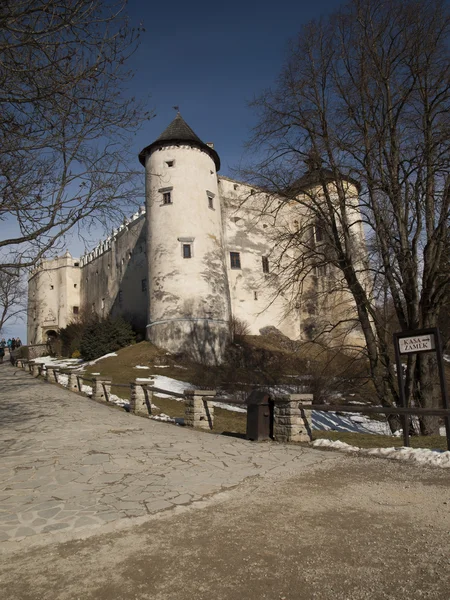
[[189, 304]]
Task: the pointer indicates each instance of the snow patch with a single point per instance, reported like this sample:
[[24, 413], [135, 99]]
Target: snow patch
[[423, 456], [166, 419], [92, 362], [141, 367]]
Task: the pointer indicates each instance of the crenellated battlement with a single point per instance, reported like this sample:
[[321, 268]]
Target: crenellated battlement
[[106, 244]]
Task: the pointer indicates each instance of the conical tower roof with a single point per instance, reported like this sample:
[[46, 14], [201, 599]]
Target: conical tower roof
[[179, 132]]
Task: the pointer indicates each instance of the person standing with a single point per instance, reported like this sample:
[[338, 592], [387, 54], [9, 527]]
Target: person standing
[[8, 343], [2, 354]]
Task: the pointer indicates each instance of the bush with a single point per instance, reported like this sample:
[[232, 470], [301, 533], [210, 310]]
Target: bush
[[102, 336], [70, 337], [239, 328]]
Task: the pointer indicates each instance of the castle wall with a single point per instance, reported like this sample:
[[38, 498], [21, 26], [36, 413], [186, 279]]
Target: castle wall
[[254, 293], [53, 297], [114, 275]]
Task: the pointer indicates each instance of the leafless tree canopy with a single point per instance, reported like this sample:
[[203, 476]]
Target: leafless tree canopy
[[12, 298], [65, 118], [365, 96]]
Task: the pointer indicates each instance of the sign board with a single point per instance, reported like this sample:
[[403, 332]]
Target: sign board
[[410, 342], [417, 343]]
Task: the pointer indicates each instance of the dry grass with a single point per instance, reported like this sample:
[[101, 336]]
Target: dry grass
[[367, 440], [121, 369]]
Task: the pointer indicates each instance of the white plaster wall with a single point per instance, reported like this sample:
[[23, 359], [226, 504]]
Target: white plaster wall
[[185, 291], [250, 233], [53, 291]]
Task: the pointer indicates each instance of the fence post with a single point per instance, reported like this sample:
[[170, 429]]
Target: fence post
[[141, 397], [101, 389], [199, 409], [72, 383], [290, 422], [35, 370], [51, 374]]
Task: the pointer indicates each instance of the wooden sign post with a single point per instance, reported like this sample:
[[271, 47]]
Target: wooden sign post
[[422, 340]]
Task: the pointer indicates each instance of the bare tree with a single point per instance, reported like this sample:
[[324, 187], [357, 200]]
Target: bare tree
[[364, 97], [12, 298], [65, 120]]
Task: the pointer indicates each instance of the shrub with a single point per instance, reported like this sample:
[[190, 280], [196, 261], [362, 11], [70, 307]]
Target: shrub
[[102, 336], [70, 337], [239, 328]]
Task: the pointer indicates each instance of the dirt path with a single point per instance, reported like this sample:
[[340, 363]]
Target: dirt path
[[357, 529]]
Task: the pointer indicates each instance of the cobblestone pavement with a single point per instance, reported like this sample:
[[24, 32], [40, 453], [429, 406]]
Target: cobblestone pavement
[[69, 464]]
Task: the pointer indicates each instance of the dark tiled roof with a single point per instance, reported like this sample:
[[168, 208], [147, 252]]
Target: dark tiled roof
[[178, 132]]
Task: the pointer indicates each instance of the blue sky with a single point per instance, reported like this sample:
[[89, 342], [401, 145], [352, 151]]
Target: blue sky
[[210, 59]]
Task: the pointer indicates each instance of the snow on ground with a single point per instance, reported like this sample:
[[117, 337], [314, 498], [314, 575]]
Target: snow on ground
[[92, 362], [166, 419], [141, 367], [353, 422], [119, 401], [169, 384], [50, 361], [422, 456], [446, 358]]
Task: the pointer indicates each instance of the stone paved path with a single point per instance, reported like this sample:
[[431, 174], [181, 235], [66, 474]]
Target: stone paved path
[[69, 464]]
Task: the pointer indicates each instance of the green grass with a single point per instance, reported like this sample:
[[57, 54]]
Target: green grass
[[367, 440]]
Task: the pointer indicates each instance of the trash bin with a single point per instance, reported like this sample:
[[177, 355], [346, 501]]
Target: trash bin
[[259, 416]]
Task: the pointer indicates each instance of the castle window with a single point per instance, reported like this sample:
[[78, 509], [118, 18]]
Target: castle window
[[235, 259], [77, 264], [255, 295], [318, 231], [103, 303], [170, 163], [120, 296], [52, 287], [93, 307], [187, 251], [166, 195], [210, 200], [144, 285], [75, 310], [265, 264], [75, 285]]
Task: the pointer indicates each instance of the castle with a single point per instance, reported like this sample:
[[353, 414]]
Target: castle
[[200, 253]]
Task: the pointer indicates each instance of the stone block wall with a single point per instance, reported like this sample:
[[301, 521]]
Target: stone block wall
[[290, 422], [141, 398], [199, 411], [101, 389]]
